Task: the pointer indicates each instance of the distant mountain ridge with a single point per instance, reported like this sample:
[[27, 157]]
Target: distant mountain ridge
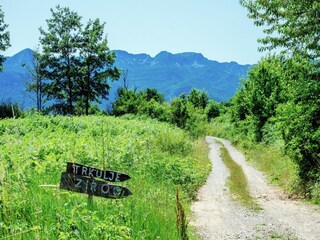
[[171, 74]]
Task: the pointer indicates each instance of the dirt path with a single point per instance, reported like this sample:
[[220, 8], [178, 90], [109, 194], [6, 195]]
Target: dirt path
[[218, 217]]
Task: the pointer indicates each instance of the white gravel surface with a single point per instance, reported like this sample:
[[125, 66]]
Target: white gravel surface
[[218, 217]]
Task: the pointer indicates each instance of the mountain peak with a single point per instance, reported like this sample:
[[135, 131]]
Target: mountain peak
[[15, 62]]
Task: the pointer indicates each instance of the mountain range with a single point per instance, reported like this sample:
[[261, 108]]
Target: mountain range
[[171, 74]]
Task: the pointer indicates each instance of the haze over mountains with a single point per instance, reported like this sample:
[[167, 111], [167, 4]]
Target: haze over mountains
[[171, 74]]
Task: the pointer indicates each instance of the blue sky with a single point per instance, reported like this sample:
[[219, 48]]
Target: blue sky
[[219, 29]]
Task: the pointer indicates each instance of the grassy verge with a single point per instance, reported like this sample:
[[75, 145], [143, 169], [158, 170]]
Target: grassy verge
[[237, 181], [33, 152], [270, 159]]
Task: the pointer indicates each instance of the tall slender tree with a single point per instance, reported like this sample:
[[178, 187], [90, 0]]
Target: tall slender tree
[[60, 59], [37, 84], [4, 38], [96, 64]]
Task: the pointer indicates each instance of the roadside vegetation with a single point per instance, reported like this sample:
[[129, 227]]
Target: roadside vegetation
[[237, 181], [159, 157]]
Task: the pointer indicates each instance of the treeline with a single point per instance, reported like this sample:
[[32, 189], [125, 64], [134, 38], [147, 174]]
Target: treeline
[[190, 111], [279, 103]]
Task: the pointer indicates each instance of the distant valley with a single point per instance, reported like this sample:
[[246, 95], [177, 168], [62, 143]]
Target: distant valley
[[171, 74]]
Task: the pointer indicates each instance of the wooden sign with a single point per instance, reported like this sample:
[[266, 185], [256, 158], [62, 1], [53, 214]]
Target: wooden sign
[[82, 170], [92, 187]]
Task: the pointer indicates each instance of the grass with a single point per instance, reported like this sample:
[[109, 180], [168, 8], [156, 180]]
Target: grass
[[279, 168], [237, 181], [34, 151], [268, 158]]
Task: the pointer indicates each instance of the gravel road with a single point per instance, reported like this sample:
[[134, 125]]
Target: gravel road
[[218, 217]]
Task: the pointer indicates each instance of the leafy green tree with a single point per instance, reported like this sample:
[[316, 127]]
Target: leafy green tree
[[212, 110], [4, 38], [198, 98], [179, 110], [37, 84], [96, 64], [59, 58], [127, 101], [299, 117], [151, 93], [261, 94], [291, 25]]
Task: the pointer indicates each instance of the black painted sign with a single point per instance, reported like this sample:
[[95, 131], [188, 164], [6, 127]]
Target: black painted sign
[[92, 187], [82, 170]]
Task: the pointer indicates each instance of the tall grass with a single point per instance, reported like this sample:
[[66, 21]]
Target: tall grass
[[34, 151]]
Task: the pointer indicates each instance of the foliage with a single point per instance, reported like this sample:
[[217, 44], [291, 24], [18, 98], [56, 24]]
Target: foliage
[[179, 110], [149, 102], [279, 105], [34, 150], [96, 64], [181, 221], [76, 62], [4, 37], [291, 25], [212, 110], [37, 84], [257, 100], [199, 99], [9, 110], [190, 112], [127, 102], [59, 61]]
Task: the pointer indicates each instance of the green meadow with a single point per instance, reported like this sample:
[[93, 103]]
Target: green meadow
[[159, 158]]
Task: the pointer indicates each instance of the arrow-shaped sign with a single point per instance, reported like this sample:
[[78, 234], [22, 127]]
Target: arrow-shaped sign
[[82, 170], [91, 186]]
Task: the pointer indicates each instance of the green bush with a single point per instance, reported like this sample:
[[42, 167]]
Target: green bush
[[9, 110]]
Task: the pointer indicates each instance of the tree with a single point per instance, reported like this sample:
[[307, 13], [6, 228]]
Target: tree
[[59, 59], [127, 101], [96, 64], [198, 98], [4, 37], [37, 84], [260, 95], [291, 25], [152, 93], [212, 110], [179, 110]]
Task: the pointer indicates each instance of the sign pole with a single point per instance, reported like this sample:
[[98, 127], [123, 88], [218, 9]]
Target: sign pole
[[90, 195]]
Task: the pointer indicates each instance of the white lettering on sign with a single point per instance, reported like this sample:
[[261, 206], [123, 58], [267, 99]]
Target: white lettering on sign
[[105, 188], [118, 177], [93, 186], [111, 178], [84, 171], [99, 173], [78, 182], [91, 170], [117, 191], [76, 168]]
